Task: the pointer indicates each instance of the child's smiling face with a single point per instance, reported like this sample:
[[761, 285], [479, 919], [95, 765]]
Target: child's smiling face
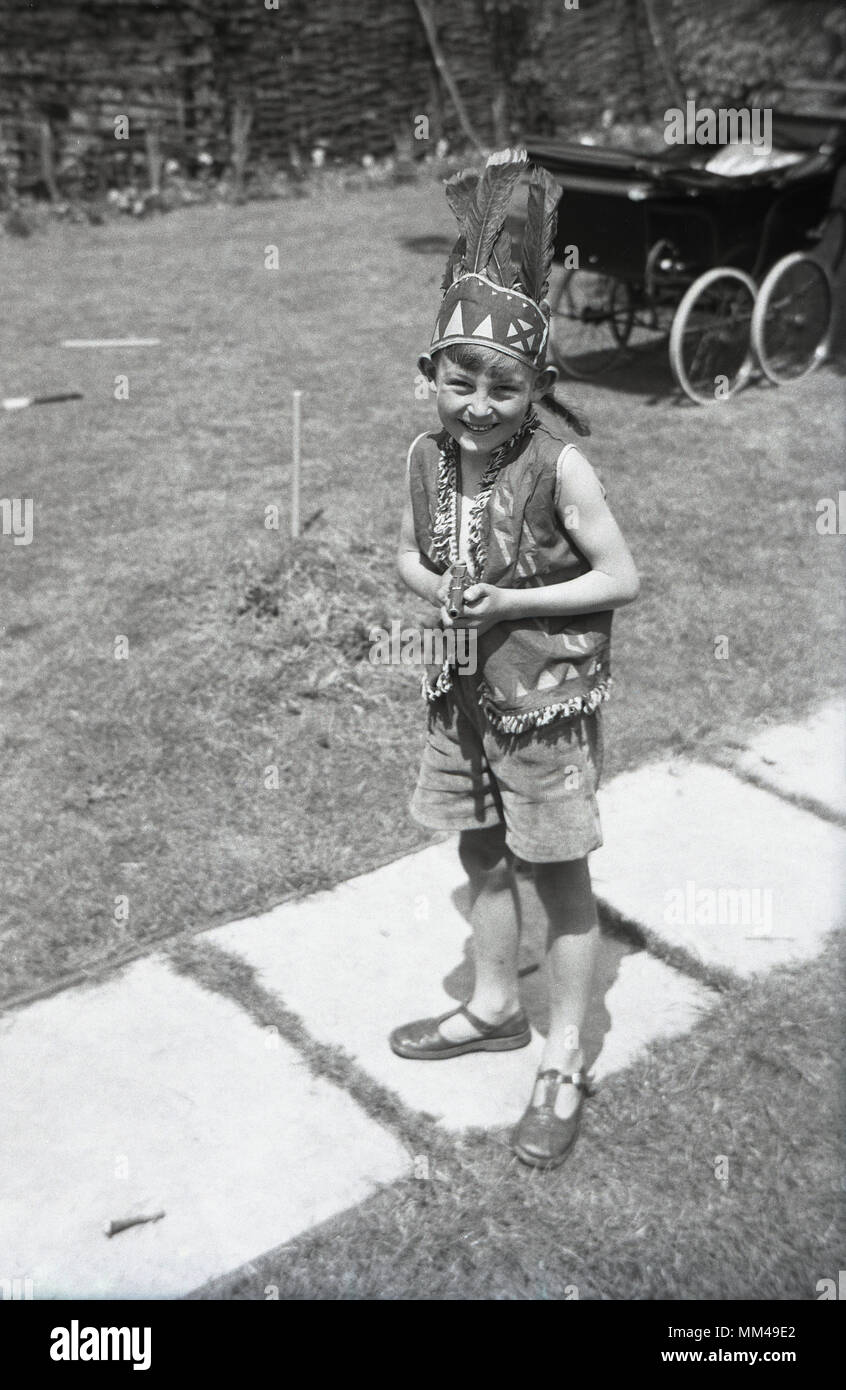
[[483, 406]]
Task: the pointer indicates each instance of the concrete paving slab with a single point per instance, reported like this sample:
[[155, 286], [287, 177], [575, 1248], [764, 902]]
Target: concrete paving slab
[[149, 1094], [806, 760], [738, 877], [393, 945]]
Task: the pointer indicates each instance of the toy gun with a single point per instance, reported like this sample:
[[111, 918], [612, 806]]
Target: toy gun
[[460, 581]]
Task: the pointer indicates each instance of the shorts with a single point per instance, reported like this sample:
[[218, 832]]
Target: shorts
[[540, 784]]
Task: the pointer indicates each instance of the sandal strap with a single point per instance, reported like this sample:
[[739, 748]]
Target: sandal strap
[[478, 1023], [575, 1078]]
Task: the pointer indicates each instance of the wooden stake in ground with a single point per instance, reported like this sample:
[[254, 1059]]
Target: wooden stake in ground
[[428, 19], [296, 444]]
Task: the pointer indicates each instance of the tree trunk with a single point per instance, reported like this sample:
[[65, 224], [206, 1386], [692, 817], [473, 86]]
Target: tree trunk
[[242, 120], [154, 156], [435, 105], [499, 111], [45, 152]]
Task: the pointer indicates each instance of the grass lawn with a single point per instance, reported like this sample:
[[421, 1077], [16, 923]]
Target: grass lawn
[[142, 782]]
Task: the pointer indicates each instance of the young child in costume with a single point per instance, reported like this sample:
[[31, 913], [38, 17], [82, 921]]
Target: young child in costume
[[513, 754]]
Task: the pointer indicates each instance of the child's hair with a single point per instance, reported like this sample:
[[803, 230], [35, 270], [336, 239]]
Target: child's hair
[[476, 359]]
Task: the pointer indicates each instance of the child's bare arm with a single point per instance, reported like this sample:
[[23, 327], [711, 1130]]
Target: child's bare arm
[[611, 582], [412, 566]]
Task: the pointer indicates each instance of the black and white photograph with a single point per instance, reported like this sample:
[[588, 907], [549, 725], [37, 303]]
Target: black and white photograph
[[422, 668]]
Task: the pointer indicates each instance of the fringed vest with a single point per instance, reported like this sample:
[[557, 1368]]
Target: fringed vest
[[532, 671]]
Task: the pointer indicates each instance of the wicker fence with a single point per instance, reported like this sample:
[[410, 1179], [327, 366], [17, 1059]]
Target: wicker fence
[[95, 94]]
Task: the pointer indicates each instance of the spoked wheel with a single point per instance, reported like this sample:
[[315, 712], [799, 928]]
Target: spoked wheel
[[591, 320], [710, 335], [622, 311], [792, 318]]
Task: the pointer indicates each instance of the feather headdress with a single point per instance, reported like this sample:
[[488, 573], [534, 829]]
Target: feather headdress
[[488, 298]]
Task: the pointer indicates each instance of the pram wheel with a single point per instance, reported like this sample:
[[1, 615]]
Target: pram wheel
[[792, 318], [710, 335], [591, 320]]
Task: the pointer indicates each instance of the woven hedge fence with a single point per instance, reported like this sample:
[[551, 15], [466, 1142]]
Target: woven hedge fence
[[240, 85]]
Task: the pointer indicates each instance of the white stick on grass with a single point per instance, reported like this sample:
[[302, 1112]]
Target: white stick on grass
[[110, 342], [19, 402]]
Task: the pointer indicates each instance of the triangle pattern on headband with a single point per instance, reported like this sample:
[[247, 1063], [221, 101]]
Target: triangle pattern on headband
[[455, 327], [485, 329]]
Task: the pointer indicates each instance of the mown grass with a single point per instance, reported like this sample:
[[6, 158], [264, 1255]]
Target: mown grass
[[710, 1169], [145, 778]]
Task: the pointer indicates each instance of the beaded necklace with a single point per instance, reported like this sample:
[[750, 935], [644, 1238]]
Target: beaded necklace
[[445, 526]]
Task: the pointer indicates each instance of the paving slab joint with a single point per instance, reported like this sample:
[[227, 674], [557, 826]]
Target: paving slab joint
[[222, 973], [615, 923], [726, 761]]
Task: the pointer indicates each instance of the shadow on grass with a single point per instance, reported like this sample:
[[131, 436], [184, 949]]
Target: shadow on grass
[[643, 371], [439, 244], [431, 244]]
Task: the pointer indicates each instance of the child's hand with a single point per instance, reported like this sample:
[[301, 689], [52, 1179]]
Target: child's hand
[[484, 606], [442, 591]]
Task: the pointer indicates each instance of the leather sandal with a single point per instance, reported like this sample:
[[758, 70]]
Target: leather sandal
[[542, 1139], [423, 1040]]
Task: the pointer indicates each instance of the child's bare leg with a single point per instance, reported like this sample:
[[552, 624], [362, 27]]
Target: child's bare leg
[[565, 893], [496, 931]]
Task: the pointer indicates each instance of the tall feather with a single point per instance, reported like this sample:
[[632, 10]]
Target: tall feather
[[487, 213], [453, 264], [539, 233], [501, 267], [460, 191]]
